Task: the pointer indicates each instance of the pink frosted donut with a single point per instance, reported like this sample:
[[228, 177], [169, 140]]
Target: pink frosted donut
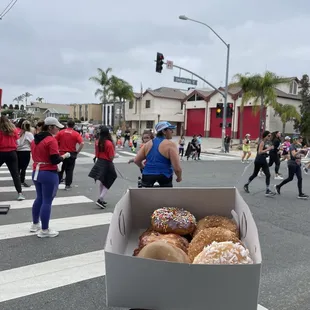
[[173, 220]]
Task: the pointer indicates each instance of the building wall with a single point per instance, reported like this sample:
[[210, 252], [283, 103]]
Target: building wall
[[87, 111], [161, 109]]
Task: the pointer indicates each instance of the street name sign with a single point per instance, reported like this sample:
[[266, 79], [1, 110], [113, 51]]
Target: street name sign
[[178, 79]]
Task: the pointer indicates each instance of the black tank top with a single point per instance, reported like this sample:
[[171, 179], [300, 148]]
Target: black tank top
[[263, 156]]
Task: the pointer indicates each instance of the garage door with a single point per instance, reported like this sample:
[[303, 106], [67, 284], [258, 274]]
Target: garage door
[[195, 122], [215, 125]]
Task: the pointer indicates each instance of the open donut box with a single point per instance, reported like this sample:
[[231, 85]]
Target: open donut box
[[133, 282]]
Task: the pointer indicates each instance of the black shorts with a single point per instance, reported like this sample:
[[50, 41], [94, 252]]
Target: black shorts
[[149, 180]]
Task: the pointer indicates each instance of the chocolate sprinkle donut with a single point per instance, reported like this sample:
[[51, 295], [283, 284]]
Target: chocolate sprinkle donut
[[173, 220]]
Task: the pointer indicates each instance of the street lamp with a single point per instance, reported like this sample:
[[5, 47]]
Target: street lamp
[[183, 17]]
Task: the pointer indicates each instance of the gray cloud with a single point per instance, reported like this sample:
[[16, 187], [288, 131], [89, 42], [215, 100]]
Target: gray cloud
[[51, 48]]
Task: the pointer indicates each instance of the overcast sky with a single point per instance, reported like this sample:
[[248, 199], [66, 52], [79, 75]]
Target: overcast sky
[[51, 48]]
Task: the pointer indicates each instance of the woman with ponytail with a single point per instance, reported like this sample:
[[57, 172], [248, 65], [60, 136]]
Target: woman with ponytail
[[23, 150], [261, 163]]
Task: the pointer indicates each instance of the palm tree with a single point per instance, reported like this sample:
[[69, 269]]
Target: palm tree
[[26, 95], [263, 89], [104, 81], [40, 99], [122, 90], [245, 82], [287, 113]]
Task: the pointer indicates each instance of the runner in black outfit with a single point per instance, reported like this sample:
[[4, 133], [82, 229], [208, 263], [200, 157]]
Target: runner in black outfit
[[294, 167], [261, 163], [274, 156]]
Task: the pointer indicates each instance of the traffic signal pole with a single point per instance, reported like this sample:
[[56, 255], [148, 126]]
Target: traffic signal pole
[[199, 77]]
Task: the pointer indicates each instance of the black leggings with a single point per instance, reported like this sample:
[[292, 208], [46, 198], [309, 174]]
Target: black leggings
[[292, 170], [274, 158], [261, 165], [10, 158], [149, 180], [23, 162]]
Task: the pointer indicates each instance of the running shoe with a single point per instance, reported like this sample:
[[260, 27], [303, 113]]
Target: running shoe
[[303, 196], [269, 193], [277, 189], [101, 204], [246, 188], [20, 197], [47, 233]]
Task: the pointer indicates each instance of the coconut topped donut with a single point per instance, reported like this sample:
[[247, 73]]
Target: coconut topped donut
[[224, 253], [173, 220]]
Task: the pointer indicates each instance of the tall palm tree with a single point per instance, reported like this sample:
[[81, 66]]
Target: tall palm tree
[[104, 81], [287, 113], [263, 89], [26, 95], [122, 90], [40, 99], [245, 82]]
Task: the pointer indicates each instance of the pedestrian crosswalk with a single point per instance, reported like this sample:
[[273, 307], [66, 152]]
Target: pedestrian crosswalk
[[123, 156], [30, 265]]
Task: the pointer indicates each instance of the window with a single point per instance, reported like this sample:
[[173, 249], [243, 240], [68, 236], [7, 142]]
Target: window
[[149, 124], [130, 104], [293, 88], [182, 106], [147, 104]]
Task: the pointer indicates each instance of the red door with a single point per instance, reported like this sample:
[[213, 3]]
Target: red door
[[250, 120], [195, 122], [216, 125]]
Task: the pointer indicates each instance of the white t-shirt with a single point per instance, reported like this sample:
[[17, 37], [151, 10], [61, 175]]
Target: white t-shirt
[[23, 143]]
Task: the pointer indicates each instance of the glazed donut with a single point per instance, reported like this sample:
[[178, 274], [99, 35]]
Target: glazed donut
[[206, 237], [224, 253], [216, 221], [173, 220], [153, 236], [160, 250]]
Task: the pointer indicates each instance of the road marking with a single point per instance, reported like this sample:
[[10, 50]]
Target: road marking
[[36, 278], [92, 155], [3, 172], [127, 153], [10, 189], [10, 178], [62, 224], [58, 201]]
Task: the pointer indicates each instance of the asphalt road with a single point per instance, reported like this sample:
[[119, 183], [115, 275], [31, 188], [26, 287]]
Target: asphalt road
[[283, 223]]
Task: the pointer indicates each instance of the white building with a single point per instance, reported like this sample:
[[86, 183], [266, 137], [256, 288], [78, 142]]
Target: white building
[[162, 104]]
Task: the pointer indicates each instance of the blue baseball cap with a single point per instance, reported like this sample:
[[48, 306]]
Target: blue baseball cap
[[164, 125]]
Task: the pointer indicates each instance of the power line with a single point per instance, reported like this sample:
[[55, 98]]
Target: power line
[[8, 8]]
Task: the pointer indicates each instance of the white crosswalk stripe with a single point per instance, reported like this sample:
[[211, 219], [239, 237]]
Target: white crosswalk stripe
[[25, 280]]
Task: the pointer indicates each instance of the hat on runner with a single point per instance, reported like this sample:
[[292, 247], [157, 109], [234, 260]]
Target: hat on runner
[[52, 121], [163, 125], [287, 138]]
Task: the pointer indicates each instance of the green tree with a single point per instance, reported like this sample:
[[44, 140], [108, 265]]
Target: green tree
[[5, 106], [245, 82], [304, 124], [262, 88], [104, 81], [40, 99], [16, 107], [287, 113], [25, 96], [121, 90]]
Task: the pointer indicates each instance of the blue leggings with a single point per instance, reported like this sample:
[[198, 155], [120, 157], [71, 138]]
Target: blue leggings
[[46, 188]]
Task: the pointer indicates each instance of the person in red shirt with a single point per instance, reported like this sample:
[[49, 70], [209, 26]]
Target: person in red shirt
[[67, 140], [8, 145], [45, 155], [104, 170]]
